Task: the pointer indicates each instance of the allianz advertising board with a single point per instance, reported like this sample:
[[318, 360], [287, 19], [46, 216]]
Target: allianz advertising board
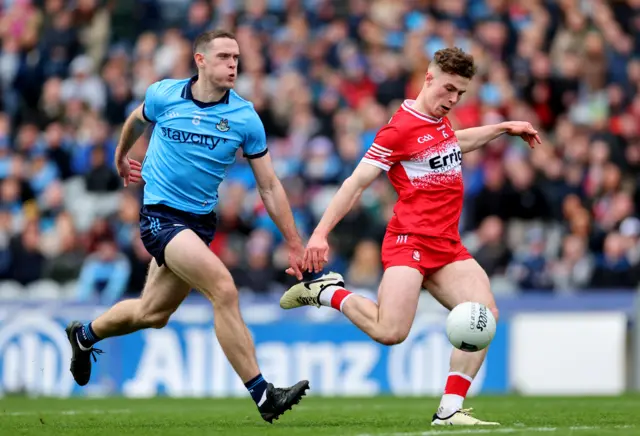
[[184, 359]]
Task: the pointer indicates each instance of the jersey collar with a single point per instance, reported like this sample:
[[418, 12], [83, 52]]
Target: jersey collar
[[407, 105], [188, 95]]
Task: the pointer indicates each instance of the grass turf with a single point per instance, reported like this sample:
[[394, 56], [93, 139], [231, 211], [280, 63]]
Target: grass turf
[[315, 416]]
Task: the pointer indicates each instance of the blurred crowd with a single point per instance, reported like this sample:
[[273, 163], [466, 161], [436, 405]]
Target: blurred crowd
[[324, 77]]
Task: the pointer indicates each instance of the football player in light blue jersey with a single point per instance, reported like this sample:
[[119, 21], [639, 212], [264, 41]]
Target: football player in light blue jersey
[[199, 125]]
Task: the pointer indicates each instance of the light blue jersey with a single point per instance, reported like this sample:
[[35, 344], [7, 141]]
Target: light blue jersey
[[193, 143]]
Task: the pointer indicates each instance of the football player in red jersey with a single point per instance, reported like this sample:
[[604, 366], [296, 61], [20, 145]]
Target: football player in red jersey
[[422, 156]]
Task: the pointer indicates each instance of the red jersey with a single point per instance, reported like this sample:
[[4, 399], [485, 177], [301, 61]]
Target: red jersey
[[424, 164]]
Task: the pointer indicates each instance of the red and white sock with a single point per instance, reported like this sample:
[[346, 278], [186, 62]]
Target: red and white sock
[[455, 392], [335, 296]]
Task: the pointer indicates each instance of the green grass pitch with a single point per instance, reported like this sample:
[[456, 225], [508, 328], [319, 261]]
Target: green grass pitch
[[315, 416]]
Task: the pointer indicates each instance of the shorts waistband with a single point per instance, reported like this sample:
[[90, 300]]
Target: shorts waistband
[[181, 213]]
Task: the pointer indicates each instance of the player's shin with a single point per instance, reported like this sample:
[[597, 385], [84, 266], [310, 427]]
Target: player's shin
[[236, 341], [464, 367], [364, 313], [237, 344], [360, 310]]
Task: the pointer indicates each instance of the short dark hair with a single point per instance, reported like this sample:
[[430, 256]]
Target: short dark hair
[[206, 37], [455, 61]]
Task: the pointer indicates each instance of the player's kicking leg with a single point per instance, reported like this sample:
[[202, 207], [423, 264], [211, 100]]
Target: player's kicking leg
[[191, 260], [387, 322], [453, 284]]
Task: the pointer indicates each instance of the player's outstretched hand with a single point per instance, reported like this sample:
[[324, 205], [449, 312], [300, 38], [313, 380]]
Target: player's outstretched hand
[[296, 260], [130, 170], [524, 130], [317, 253]]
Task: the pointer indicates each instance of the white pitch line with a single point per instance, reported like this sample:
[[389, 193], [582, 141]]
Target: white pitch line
[[67, 412], [498, 430], [466, 431]]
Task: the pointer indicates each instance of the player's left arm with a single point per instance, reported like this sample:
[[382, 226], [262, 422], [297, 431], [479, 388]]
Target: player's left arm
[[134, 126], [475, 137], [272, 192], [277, 205], [274, 197]]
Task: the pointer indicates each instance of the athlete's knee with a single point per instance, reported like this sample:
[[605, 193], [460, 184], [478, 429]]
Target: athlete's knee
[[224, 292], [390, 336]]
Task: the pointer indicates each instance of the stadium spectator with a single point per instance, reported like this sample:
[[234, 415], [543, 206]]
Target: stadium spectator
[[613, 268], [488, 246], [64, 253], [139, 259], [530, 269], [573, 271], [365, 271], [27, 261], [105, 274]]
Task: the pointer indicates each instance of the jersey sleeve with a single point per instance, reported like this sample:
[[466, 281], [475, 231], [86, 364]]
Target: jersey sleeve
[[151, 107], [386, 148], [255, 142]]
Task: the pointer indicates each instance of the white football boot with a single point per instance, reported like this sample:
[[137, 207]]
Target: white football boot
[[460, 417], [308, 293]]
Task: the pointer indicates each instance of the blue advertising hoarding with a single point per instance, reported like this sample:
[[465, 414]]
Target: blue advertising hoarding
[[184, 359]]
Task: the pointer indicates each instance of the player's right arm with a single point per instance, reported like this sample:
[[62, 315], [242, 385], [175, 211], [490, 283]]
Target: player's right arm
[[134, 126], [381, 156], [317, 252]]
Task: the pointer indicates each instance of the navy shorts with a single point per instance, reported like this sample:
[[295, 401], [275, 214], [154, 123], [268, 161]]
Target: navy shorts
[[160, 223]]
